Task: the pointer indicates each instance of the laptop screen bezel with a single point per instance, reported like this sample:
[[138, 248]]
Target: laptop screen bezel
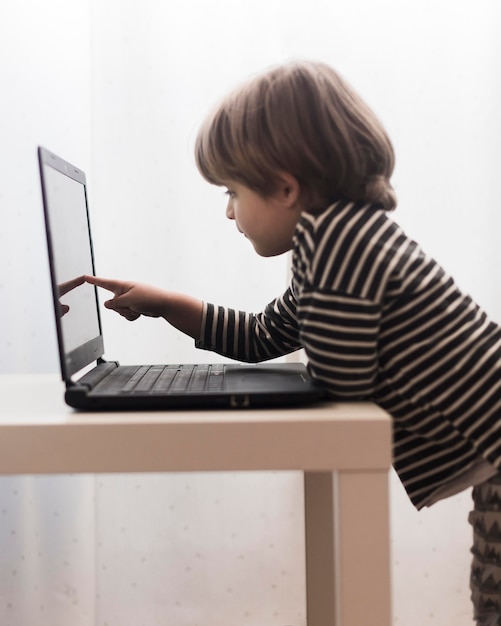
[[73, 361]]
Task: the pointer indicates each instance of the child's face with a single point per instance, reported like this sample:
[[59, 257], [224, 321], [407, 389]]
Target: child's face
[[268, 223]]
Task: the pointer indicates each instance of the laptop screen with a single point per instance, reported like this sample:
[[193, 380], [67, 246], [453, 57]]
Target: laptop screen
[[71, 257]]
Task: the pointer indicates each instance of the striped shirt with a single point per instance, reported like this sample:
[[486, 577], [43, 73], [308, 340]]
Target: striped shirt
[[380, 320]]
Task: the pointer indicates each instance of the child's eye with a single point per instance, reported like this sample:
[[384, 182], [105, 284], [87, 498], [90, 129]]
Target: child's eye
[[230, 193]]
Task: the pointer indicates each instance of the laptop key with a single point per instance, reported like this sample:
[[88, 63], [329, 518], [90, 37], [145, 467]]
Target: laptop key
[[148, 380], [199, 378], [181, 381], [216, 379], [164, 381], [135, 378]]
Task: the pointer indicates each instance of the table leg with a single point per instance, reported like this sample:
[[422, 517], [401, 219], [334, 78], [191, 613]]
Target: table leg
[[347, 548]]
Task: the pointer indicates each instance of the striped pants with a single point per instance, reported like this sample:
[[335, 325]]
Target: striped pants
[[485, 581]]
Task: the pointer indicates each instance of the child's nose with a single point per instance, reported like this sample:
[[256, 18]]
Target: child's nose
[[229, 211]]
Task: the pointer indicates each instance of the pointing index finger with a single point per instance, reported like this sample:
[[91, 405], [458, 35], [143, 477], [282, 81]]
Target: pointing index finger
[[106, 283]]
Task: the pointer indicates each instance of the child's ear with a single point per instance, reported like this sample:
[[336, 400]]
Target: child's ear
[[288, 189]]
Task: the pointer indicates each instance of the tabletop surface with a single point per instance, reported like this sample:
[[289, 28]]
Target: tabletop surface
[[39, 433]]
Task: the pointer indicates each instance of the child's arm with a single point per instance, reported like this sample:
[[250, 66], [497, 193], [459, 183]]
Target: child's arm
[[132, 300], [252, 337]]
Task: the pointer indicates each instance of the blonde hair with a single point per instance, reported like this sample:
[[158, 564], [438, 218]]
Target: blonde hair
[[303, 119]]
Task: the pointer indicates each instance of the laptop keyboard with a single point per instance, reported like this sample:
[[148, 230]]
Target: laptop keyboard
[[152, 379]]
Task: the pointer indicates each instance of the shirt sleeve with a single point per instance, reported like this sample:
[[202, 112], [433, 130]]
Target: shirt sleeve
[[251, 337], [340, 334]]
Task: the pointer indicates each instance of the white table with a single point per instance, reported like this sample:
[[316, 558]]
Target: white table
[[344, 450]]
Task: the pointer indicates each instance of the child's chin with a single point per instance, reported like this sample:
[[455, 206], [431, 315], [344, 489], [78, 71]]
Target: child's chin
[[268, 253]]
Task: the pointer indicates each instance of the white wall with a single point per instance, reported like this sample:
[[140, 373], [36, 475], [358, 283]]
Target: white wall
[[47, 538], [45, 74], [431, 71]]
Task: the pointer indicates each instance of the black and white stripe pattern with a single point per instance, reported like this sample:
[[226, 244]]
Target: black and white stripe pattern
[[381, 320]]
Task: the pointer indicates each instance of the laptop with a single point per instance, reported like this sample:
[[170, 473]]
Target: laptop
[[95, 383]]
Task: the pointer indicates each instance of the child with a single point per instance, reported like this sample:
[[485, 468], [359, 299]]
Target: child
[[307, 167]]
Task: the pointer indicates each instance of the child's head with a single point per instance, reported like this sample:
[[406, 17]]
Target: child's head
[[303, 119]]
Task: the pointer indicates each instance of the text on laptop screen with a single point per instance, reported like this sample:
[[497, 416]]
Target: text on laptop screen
[[72, 258]]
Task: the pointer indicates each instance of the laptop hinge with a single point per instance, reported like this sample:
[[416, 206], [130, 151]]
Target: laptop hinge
[[95, 376]]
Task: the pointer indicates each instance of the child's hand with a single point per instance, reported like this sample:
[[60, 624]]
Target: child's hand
[[135, 299], [132, 300]]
